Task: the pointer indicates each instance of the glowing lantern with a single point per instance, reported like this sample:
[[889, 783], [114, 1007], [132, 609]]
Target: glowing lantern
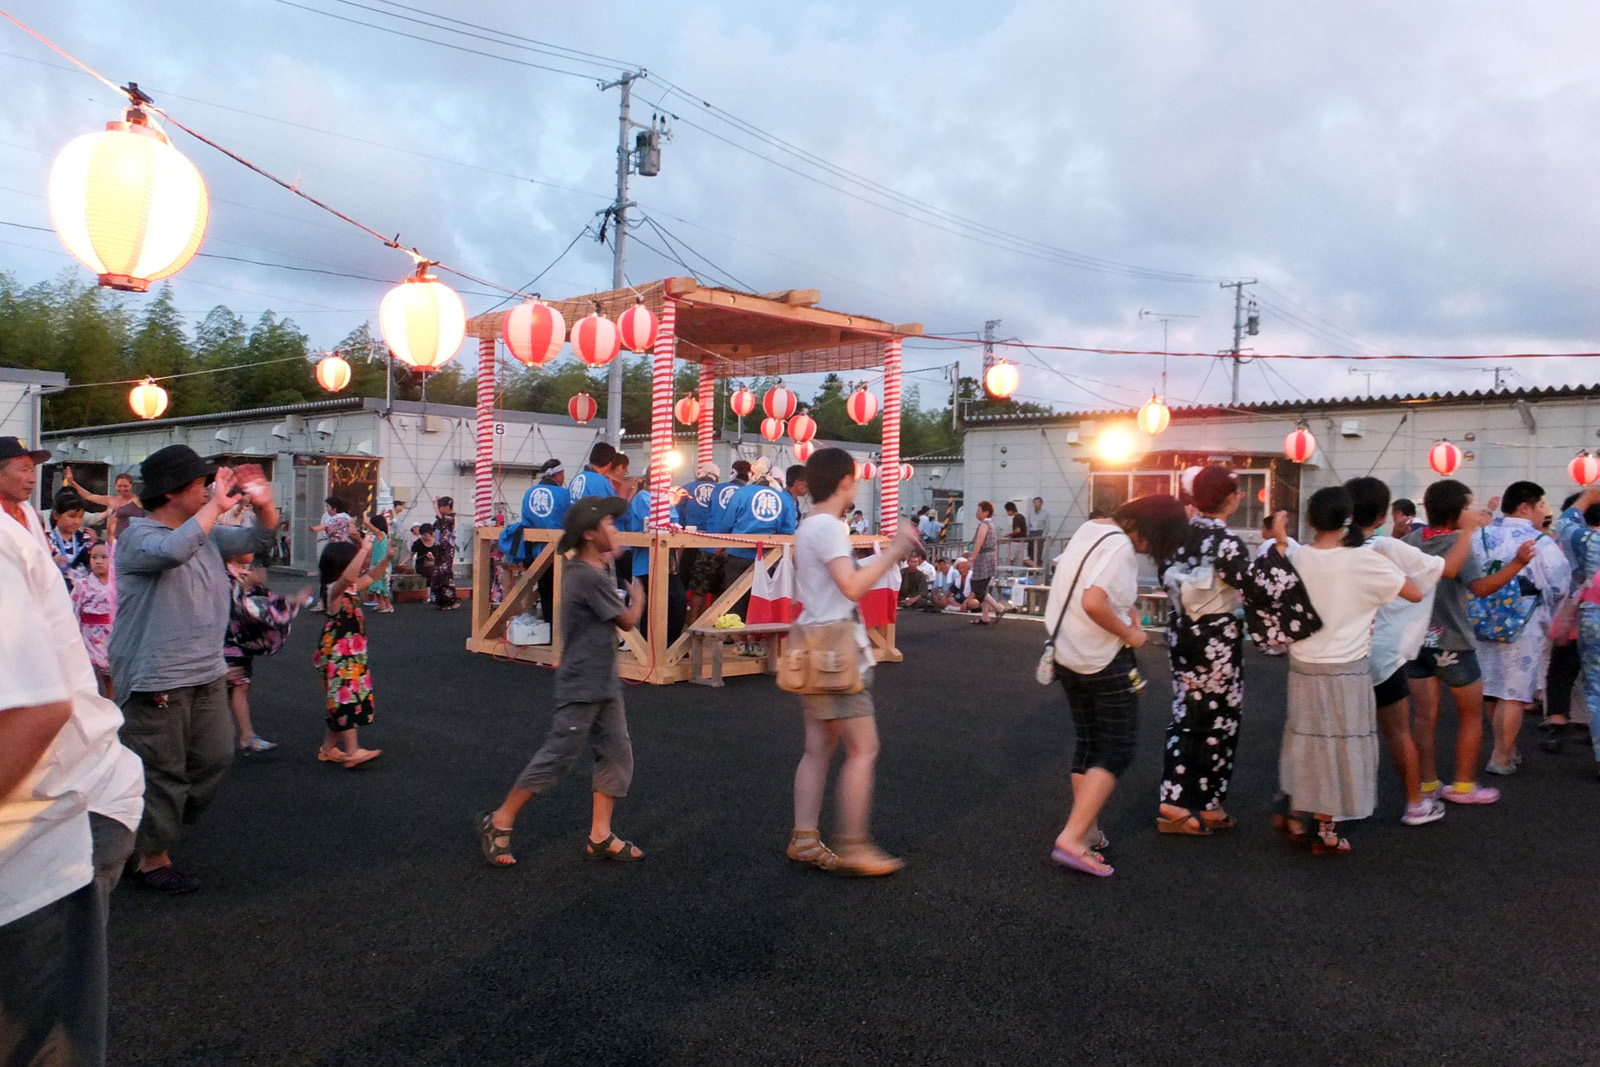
[[802, 451], [779, 403], [1299, 445], [687, 411], [596, 341], [1584, 468], [333, 373], [582, 408], [1444, 458], [1000, 381], [1154, 416], [1116, 444], [423, 321], [865, 471], [534, 332], [147, 399], [127, 204], [862, 407], [742, 401], [802, 428], [637, 327], [907, 471], [772, 429]]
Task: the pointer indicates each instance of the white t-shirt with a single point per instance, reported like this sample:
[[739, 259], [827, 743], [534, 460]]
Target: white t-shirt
[[1401, 626], [1261, 549], [821, 539], [1347, 586], [1082, 645], [929, 571], [44, 830]]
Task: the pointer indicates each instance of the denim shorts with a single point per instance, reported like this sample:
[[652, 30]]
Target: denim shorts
[[1456, 669]]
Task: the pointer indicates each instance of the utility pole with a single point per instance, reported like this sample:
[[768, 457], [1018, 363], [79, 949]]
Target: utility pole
[[618, 214], [1496, 371], [1242, 325]]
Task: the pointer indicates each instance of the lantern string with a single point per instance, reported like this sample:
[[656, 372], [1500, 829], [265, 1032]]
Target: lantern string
[[48, 43], [309, 356]]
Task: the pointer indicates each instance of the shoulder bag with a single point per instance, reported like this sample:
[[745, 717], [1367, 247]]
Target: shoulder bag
[[822, 659], [1045, 673]]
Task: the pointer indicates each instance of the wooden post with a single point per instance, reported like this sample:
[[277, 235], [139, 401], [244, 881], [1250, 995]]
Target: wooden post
[[889, 469]]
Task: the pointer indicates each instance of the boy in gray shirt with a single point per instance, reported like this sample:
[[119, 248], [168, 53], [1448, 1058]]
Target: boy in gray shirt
[[588, 690]]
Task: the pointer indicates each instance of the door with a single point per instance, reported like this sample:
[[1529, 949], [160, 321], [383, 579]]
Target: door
[[310, 492]]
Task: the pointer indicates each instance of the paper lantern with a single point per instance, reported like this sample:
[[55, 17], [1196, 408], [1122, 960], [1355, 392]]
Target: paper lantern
[[865, 471], [582, 408], [742, 401], [534, 332], [127, 204], [772, 429], [1154, 416], [1444, 458], [802, 428], [779, 403], [862, 407], [1000, 381], [333, 373], [1299, 445], [596, 340], [802, 451], [423, 321], [907, 472], [687, 411], [147, 399], [637, 327], [1584, 468]]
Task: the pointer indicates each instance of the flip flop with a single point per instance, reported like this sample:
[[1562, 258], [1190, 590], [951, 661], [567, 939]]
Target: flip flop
[[1080, 863], [362, 755]]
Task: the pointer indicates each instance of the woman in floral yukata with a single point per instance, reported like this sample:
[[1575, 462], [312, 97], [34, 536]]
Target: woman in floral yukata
[[1206, 638]]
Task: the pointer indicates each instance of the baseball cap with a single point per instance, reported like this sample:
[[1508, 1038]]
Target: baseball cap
[[585, 515]]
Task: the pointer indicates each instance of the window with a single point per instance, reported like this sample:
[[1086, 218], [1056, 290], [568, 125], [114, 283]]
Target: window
[[1253, 484], [1109, 489]]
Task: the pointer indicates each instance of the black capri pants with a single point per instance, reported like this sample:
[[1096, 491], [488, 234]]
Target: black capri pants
[[1104, 709]]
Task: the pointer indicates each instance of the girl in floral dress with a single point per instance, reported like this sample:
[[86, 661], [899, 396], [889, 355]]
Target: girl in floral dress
[[341, 658], [94, 599]]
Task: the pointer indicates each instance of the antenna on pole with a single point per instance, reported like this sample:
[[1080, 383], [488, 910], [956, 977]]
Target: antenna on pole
[[1164, 318], [1246, 320]]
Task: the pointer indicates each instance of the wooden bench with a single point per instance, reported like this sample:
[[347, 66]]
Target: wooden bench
[[700, 636], [1034, 597]]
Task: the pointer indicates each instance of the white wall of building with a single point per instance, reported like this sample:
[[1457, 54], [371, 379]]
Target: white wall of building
[[20, 393]]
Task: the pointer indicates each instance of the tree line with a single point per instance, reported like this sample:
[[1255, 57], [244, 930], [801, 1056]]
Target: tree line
[[94, 335]]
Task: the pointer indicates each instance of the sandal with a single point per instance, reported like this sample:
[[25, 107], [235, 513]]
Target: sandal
[[1100, 843], [1292, 828], [360, 756], [805, 846], [628, 852], [859, 857], [330, 755], [495, 842], [1227, 822], [1087, 862], [1321, 846], [1188, 824]]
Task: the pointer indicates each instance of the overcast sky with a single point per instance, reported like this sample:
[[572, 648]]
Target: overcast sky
[[1417, 178]]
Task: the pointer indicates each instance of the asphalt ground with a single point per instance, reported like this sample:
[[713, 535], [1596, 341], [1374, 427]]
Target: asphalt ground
[[348, 918]]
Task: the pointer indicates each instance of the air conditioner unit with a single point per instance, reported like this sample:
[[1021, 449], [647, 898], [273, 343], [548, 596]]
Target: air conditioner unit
[[326, 427], [432, 423], [224, 435], [365, 448], [1350, 428], [1072, 437], [280, 430]]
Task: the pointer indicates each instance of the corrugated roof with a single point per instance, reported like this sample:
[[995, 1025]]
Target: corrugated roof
[[1280, 407]]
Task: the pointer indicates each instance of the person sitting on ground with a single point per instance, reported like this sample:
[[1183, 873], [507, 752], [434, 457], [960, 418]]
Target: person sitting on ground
[[940, 595], [858, 523], [961, 595], [914, 589], [588, 691]]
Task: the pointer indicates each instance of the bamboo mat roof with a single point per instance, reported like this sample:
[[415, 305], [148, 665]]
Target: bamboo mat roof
[[741, 334]]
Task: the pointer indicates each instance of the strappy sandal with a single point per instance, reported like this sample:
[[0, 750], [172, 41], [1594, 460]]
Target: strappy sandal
[[1292, 828], [495, 842], [1189, 824], [859, 857], [1227, 822], [601, 850], [1100, 843], [805, 846], [1320, 846]]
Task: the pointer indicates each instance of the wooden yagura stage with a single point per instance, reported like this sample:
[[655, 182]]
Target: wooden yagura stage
[[729, 334]]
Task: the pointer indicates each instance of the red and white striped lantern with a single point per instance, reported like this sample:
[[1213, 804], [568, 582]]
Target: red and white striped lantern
[[802, 428], [1584, 468], [772, 429], [865, 471], [582, 408], [1299, 445], [802, 451], [333, 373], [1444, 458], [534, 332], [596, 341], [907, 472], [637, 327], [779, 403], [742, 401], [862, 407], [687, 411]]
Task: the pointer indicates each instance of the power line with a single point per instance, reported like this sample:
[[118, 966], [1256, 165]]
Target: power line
[[669, 237]]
